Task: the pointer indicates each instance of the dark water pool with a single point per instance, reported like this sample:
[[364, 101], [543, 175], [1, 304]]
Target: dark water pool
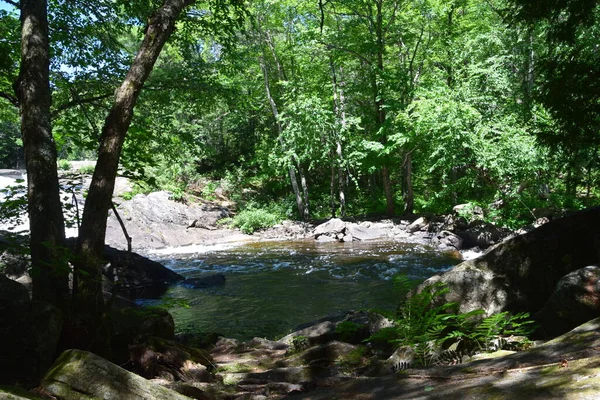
[[274, 286]]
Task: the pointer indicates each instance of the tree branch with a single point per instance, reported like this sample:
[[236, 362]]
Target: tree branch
[[11, 98], [78, 101], [333, 46], [15, 4]]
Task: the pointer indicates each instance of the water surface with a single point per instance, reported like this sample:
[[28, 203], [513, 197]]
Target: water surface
[[271, 287]]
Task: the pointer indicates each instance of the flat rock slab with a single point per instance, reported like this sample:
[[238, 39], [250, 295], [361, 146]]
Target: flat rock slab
[[79, 375]]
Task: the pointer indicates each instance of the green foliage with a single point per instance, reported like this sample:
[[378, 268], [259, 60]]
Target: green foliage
[[13, 205], [251, 220], [87, 169], [354, 359], [138, 188], [64, 165], [435, 329], [347, 330], [299, 343]]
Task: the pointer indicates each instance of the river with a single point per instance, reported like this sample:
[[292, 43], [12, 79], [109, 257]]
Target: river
[[272, 287]]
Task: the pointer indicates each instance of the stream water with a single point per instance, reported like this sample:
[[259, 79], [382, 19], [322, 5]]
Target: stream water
[[272, 287]]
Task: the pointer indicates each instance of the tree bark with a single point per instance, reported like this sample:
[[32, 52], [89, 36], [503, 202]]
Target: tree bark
[[340, 113], [381, 116], [88, 302], [49, 262], [409, 197]]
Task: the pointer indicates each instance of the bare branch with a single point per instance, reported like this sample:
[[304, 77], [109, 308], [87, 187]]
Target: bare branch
[[15, 4], [11, 98], [77, 102]]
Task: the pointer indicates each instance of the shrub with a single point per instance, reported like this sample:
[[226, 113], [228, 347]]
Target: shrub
[[254, 219], [64, 165], [87, 169], [438, 331]]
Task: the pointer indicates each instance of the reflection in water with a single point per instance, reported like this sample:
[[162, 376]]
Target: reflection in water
[[272, 287]]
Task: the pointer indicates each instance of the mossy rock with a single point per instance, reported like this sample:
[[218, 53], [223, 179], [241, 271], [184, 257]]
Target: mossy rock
[[14, 393], [80, 375]]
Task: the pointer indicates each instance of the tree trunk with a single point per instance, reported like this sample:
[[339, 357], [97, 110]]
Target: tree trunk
[[332, 187], [389, 194], [380, 106], [409, 197], [49, 263], [88, 302], [302, 209], [304, 183], [340, 113]]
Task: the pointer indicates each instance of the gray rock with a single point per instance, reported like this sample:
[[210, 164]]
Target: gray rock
[[169, 360], [361, 232], [418, 225], [316, 334], [12, 291], [482, 234], [326, 353], [84, 376], [137, 276], [521, 273], [14, 393], [575, 300], [156, 221], [332, 227], [326, 239], [14, 265], [448, 240], [358, 326]]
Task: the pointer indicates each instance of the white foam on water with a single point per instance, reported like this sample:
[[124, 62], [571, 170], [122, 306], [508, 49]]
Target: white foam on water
[[196, 249]]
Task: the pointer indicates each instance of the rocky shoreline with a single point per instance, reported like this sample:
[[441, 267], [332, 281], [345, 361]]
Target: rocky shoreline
[[550, 271]]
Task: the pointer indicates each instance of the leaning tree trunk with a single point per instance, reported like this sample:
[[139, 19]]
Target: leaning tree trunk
[[49, 265], [88, 302]]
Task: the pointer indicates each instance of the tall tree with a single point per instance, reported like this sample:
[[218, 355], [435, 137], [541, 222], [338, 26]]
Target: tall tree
[[50, 272], [88, 300]]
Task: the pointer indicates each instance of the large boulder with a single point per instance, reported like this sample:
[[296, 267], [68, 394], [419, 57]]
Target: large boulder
[[15, 393], [330, 228], [11, 291], [84, 376], [521, 273], [482, 234], [316, 334], [367, 231], [135, 325], [338, 230], [166, 359], [447, 240], [575, 300], [156, 220], [135, 275]]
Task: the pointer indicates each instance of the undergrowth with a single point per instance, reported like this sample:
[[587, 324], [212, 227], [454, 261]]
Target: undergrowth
[[438, 332], [251, 220]]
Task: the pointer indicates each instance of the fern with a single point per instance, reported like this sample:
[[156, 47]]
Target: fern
[[438, 334]]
